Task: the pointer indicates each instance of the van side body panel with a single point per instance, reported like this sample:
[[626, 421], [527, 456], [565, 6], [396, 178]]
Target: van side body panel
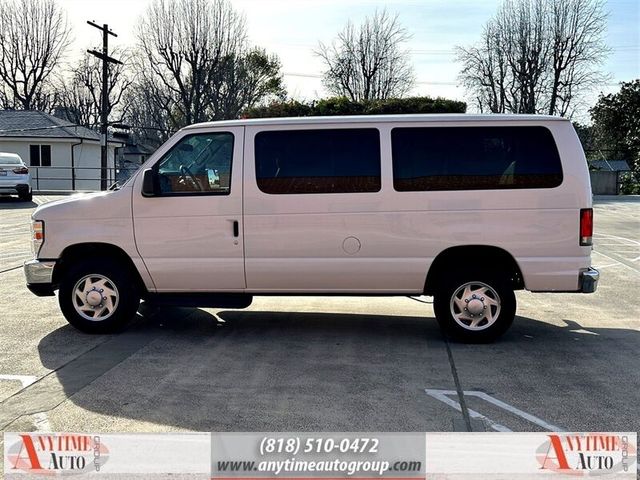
[[98, 218], [296, 243]]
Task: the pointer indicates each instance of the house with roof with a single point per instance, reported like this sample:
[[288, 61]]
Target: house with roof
[[606, 176], [130, 156], [60, 155], [609, 165]]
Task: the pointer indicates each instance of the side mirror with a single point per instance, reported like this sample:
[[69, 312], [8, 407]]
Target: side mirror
[[148, 183]]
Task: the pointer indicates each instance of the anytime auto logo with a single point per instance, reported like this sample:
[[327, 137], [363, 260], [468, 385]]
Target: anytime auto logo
[[56, 454], [588, 454]]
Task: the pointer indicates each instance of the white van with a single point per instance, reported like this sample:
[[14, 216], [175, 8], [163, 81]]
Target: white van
[[466, 208]]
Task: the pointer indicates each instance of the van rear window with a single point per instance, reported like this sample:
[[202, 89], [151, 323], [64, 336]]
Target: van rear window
[[318, 161], [474, 158]]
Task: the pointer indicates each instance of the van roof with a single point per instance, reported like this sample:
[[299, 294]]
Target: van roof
[[431, 117]]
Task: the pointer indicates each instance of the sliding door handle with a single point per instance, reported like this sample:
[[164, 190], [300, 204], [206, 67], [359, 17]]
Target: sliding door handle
[[236, 228]]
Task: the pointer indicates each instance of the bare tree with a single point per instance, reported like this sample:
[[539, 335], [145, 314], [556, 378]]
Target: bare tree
[[147, 113], [34, 35], [195, 61], [368, 62], [522, 25], [536, 56], [485, 71], [577, 32], [80, 94]]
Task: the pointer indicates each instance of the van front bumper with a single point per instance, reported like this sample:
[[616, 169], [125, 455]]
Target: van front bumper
[[589, 280], [39, 275]]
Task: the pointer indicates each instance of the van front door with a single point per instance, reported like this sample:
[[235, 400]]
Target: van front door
[[189, 232]]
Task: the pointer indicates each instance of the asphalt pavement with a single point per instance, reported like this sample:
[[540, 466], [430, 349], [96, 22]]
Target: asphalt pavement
[[570, 361]]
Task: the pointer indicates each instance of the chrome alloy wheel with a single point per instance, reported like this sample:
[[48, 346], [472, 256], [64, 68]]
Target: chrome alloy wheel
[[475, 306], [95, 297]]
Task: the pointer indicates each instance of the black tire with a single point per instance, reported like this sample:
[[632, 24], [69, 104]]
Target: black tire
[[26, 197], [125, 302], [485, 331]]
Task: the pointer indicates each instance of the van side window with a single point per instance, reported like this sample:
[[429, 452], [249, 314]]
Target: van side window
[[318, 161], [474, 158], [197, 164]]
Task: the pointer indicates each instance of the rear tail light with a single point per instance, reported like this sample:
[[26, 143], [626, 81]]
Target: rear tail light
[[21, 170], [586, 226]]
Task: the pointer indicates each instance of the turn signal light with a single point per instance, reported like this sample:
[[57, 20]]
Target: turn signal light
[[586, 227], [37, 236], [21, 170]]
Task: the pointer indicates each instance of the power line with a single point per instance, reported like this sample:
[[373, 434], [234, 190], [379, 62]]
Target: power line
[[442, 51], [420, 82], [305, 75], [319, 76], [427, 51]]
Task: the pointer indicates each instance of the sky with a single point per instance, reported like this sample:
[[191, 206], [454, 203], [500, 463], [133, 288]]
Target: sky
[[292, 29]]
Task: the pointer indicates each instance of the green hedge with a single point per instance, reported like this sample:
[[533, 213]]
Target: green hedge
[[344, 106]]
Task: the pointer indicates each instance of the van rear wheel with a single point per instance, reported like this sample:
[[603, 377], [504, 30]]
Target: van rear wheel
[[98, 296], [475, 308]]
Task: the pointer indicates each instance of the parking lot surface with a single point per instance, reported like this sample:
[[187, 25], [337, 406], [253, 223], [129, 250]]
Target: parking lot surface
[[570, 361]]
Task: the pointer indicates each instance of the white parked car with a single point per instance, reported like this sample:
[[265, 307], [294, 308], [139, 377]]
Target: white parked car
[[466, 208], [15, 178]]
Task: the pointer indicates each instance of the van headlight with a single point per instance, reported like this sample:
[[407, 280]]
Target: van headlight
[[37, 236]]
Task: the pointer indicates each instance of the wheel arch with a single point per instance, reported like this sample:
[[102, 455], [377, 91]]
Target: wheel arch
[[480, 256], [78, 251]]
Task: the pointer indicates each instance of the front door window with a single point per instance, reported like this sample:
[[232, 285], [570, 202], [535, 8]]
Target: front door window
[[197, 164]]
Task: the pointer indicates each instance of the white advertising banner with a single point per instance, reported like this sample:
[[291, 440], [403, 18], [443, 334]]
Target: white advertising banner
[[321, 456], [531, 455], [124, 455]]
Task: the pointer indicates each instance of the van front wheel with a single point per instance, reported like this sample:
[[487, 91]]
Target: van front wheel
[[98, 296], [475, 309]]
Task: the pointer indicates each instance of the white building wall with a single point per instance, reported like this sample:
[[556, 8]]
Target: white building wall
[[87, 163], [59, 175]]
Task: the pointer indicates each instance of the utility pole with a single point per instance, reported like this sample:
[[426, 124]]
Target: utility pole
[[104, 110]]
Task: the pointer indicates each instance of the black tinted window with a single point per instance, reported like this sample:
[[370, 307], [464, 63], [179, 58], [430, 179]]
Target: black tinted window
[[318, 161], [474, 158], [34, 155], [45, 155], [40, 155]]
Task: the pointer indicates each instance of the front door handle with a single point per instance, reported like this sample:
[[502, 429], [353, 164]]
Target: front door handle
[[236, 228]]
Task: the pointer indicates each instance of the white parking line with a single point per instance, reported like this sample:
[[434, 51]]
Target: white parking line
[[600, 267], [607, 235], [620, 263], [624, 245], [443, 396], [25, 380], [41, 421], [617, 245], [42, 199]]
